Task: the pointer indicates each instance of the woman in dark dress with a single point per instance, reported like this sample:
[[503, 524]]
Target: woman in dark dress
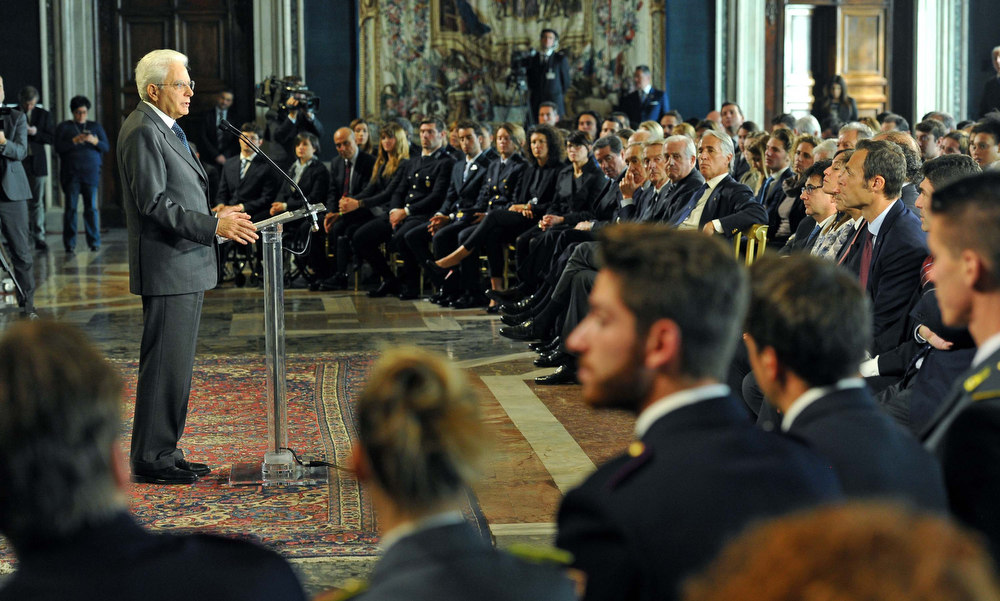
[[837, 103], [80, 144]]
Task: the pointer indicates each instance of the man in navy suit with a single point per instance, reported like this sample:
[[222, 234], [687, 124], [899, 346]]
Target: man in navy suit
[[806, 332], [698, 471], [893, 247], [548, 74], [645, 103], [965, 432], [250, 184]]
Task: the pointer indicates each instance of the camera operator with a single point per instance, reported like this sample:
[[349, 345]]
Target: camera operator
[[295, 116], [548, 73]]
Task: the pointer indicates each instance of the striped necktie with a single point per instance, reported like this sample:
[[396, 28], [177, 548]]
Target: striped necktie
[[180, 134]]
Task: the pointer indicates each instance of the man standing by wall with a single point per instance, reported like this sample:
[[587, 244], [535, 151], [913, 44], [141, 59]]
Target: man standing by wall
[[36, 165], [548, 73], [172, 260], [14, 191]]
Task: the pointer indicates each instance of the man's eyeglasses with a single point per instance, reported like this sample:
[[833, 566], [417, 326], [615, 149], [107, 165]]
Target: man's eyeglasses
[[809, 188], [179, 85]]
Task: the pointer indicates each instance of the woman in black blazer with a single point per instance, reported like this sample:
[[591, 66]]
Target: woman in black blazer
[[534, 195], [307, 172], [419, 446]]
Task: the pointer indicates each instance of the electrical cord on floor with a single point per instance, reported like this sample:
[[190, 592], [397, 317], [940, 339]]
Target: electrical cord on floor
[[295, 456]]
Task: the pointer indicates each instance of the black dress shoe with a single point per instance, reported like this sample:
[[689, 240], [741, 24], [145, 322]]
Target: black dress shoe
[[493, 309], [198, 469], [167, 475], [524, 304], [525, 331], [564, 375], [337, 281], [544, 346], [510, 295], [436, 274], [388, 287], [517, 318], [438, 298], [469, 302], [553, 359]]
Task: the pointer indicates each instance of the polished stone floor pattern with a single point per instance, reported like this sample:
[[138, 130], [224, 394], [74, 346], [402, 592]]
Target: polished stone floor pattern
[[546, 440]]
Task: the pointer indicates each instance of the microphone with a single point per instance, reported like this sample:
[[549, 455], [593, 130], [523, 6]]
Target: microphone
[[228, 127]]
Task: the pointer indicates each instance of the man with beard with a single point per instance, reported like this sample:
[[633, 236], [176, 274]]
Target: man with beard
[[698, 471]]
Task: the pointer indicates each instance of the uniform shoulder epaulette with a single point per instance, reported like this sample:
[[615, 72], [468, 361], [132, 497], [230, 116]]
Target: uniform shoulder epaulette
[[639, 454], [541, 554], [351, 589], [972, 382], [985, 395]]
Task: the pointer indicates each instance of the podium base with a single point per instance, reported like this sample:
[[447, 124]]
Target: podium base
[[255, 474]]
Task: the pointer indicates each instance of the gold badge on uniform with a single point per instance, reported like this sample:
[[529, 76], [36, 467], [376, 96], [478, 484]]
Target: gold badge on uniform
[[636, 448], [972, 382]]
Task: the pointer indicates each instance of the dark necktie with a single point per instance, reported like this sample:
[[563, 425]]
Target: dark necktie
[[244, 165], [219, 116], [866, 259], [691, 204], [763, 189], [347, 178], [925, 271], [180, 134]]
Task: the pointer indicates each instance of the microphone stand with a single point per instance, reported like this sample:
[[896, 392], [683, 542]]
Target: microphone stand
[[280, 465]]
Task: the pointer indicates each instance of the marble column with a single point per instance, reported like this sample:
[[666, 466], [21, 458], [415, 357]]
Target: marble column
[[941, 59]]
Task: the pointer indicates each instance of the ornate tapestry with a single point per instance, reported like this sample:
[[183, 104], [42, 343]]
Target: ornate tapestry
[[451, 58]]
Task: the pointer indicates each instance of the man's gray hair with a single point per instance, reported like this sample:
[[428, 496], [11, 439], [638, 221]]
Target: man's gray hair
[[808, 125], [688, 143], [152, 69], [724, 139], [864, 132]]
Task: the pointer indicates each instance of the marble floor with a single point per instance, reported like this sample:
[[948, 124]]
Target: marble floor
[[546, 439]]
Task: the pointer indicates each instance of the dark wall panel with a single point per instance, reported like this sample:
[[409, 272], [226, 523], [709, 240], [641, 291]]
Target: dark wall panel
[[331, 34], [21, 58], [690, 56]]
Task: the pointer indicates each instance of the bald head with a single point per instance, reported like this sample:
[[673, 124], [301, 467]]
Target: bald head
[[343, 138]]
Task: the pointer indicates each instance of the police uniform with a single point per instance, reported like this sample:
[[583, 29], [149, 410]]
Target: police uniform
[[965, 435]]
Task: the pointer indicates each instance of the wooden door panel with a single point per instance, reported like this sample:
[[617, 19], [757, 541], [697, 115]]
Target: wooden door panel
[[862, 56]]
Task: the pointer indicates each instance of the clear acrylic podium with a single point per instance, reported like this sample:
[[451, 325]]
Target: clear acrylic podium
[[279, 466]]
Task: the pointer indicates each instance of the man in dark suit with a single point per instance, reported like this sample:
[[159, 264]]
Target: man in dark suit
[[548, 74], [820, 210], [214, 144], [69, 523], [893, 246], [807, 328], [721, 205], [172, 260], [249, 184], [645, 103], [426, 180], [698, 471], [36, 165], [350, 171], [965, 433], [14, 194], [990, 98]]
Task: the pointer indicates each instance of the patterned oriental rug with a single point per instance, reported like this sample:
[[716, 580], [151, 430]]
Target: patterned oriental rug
[[227, 423]]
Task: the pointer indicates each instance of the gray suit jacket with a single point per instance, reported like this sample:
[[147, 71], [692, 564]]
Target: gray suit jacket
[[171, 230], [15, 181]]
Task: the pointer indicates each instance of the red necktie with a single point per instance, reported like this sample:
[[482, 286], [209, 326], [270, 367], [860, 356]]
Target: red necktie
[[347, 178], [925, 271], [866, 259]]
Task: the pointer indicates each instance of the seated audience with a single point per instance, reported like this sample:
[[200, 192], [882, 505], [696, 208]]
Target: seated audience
[[929, 132], [587, 123], [63, 503], [965, 242], [911, 151], [984, 142], [894, 122], [852, 133], [362, 135], [698, 471], [819, 208], [954, 142], [806, 332], [420, 445], [249, 183], [860, 551]]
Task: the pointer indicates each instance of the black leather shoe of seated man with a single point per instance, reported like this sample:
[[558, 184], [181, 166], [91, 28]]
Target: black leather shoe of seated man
[[167, 475], [199, 469]]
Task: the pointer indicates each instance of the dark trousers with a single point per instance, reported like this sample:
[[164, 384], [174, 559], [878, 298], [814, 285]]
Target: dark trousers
[[166, 359], [91, 218], [378, 231], [36, 205], [14, 226], [495, 231]]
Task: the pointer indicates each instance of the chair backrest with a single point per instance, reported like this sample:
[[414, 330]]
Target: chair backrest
[[756, 243]]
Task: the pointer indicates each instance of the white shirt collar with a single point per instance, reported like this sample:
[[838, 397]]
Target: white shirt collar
[[876, 224], [447, 518], [647, 89], [251, 156], [170, 122], [814, 394], [777, 174], [987, 348], [675, 401], [712, 183]]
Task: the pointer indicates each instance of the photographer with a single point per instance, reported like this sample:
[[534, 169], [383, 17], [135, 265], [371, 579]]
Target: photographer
[[80, 144], [548, 73], [294, 115]]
